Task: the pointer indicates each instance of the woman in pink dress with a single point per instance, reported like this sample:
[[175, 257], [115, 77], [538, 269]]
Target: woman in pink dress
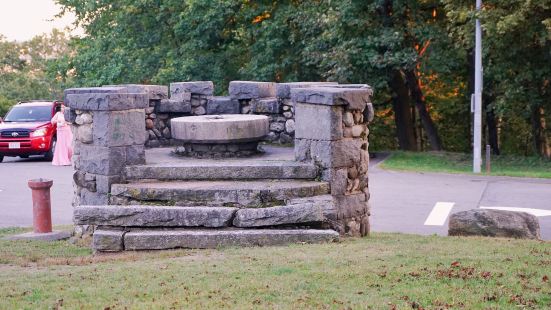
[[64, 146]]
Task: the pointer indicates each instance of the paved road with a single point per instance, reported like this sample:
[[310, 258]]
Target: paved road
[[401, 201], [15, 195]]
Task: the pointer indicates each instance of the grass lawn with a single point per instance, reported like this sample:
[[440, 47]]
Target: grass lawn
[[388, 271], [514, 166]]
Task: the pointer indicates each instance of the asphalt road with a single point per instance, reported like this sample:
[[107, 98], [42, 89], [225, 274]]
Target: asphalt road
[[401, 201], [15, 195]]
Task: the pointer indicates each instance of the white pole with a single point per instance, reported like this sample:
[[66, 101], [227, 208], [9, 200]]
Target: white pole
[[477, 143]]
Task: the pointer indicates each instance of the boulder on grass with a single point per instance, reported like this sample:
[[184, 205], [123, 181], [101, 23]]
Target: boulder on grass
[[494, 223]]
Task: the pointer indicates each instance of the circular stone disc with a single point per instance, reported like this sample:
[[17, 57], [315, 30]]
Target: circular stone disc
[[225, 128]]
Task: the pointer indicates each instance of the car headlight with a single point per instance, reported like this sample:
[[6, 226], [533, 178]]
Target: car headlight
[[39, 132]]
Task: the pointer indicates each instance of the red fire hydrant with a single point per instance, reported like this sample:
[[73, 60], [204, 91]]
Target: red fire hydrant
[[42, 207]]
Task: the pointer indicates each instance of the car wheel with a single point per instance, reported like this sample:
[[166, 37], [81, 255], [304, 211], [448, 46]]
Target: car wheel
[[50, 155]]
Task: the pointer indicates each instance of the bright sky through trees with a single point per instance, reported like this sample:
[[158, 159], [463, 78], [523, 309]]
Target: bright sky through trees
[[23, 19]]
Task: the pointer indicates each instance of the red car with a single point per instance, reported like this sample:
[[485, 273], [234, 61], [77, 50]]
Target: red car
[[26, 130]]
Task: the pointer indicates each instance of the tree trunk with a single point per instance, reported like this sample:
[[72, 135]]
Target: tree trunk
[[491, 124], [539, 131], [426, 120], [401, 104]]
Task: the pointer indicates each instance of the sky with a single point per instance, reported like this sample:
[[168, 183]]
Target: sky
[[21, 20]]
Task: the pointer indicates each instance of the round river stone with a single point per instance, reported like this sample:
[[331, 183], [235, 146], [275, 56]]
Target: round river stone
[[226, 128]]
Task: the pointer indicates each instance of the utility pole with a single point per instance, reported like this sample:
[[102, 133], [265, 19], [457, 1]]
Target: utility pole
[[477, 96]]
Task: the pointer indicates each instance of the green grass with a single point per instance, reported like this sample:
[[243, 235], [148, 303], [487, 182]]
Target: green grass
[[383, 271], [514, 166]]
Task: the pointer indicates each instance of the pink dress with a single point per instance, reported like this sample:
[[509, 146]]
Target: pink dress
[[64, 146]]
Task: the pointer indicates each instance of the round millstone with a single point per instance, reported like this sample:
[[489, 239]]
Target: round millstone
[[220, 128]]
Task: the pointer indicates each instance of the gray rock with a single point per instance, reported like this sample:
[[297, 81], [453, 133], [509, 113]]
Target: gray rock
[[290, 126], [135, 155], [153, 216], [210, 239], [107, 101], [329, 154], [277, 127], [242, 169], [369, 113], [494, 223], [354, 98], [80, 179], [348, 119], [288, 114], [240, 193], [70, 115], [84, 118], [108, 240], [318, 122], [173, 106], [285, 138], [93, 198], [84, 133], [200, 110], [119, 128], [166, 133], [102, 160], [283, 90], [266, 106], [222, 105], [154, 92], [251, 90], [281, 215], [104, 182], [197, 87]]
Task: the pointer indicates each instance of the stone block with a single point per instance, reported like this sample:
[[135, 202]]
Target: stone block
[[494, 223], [283, 90], [93, 198], [329, 154], [102, 160], [119, 128], [154, 216], [83, 119], [135, 155], [108, 240], [318, 122], [80, 179], [211, 239], [349, 206], [290, 126], [178, 89], [70, 115], [154, 92], [84, 133], [354, 98], [173, 106], [338, 178], [104, 182], [88, 90], [281, 215], [107, 101], [251, 90], [266, 106], [222, 105]]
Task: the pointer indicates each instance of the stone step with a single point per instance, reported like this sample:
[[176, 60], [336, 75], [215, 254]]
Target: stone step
[[115, 240], [153, 216], [264, 193], [223, 170]]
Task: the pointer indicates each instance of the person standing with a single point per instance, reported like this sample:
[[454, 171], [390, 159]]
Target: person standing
[[64, 145]]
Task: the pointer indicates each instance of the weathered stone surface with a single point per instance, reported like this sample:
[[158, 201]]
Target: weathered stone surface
[[318, 122], [84, 134], [135, 155], [220, 128], [104, 182], [369, 113], [84, 180], [154, 92], [337, 178], [70, 115], [239, 193], [153, 216], [200, 110], [102, 160], [266, 106], [349, 206], [354, 98], [107, 101], [222, 105], [205, 88], [251, 90], [84, 118], [281, 215], [223, 170], [108, 240], [119, 128], [494, 223], [95, 90], [290, 126], [210, 239], [55, 235], [283, 90], [277, 127], [329, 154], [173, 106], [93, 198]]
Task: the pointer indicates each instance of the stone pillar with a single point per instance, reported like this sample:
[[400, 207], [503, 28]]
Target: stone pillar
[[331, 131], [109, 133]]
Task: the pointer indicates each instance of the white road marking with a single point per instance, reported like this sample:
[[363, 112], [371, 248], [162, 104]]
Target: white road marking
[[536, 212], [439, 214]]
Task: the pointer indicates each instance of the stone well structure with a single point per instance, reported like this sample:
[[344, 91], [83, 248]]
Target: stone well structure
[[135, 196]]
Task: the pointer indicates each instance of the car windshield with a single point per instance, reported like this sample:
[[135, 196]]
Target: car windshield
[[22, 113]]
